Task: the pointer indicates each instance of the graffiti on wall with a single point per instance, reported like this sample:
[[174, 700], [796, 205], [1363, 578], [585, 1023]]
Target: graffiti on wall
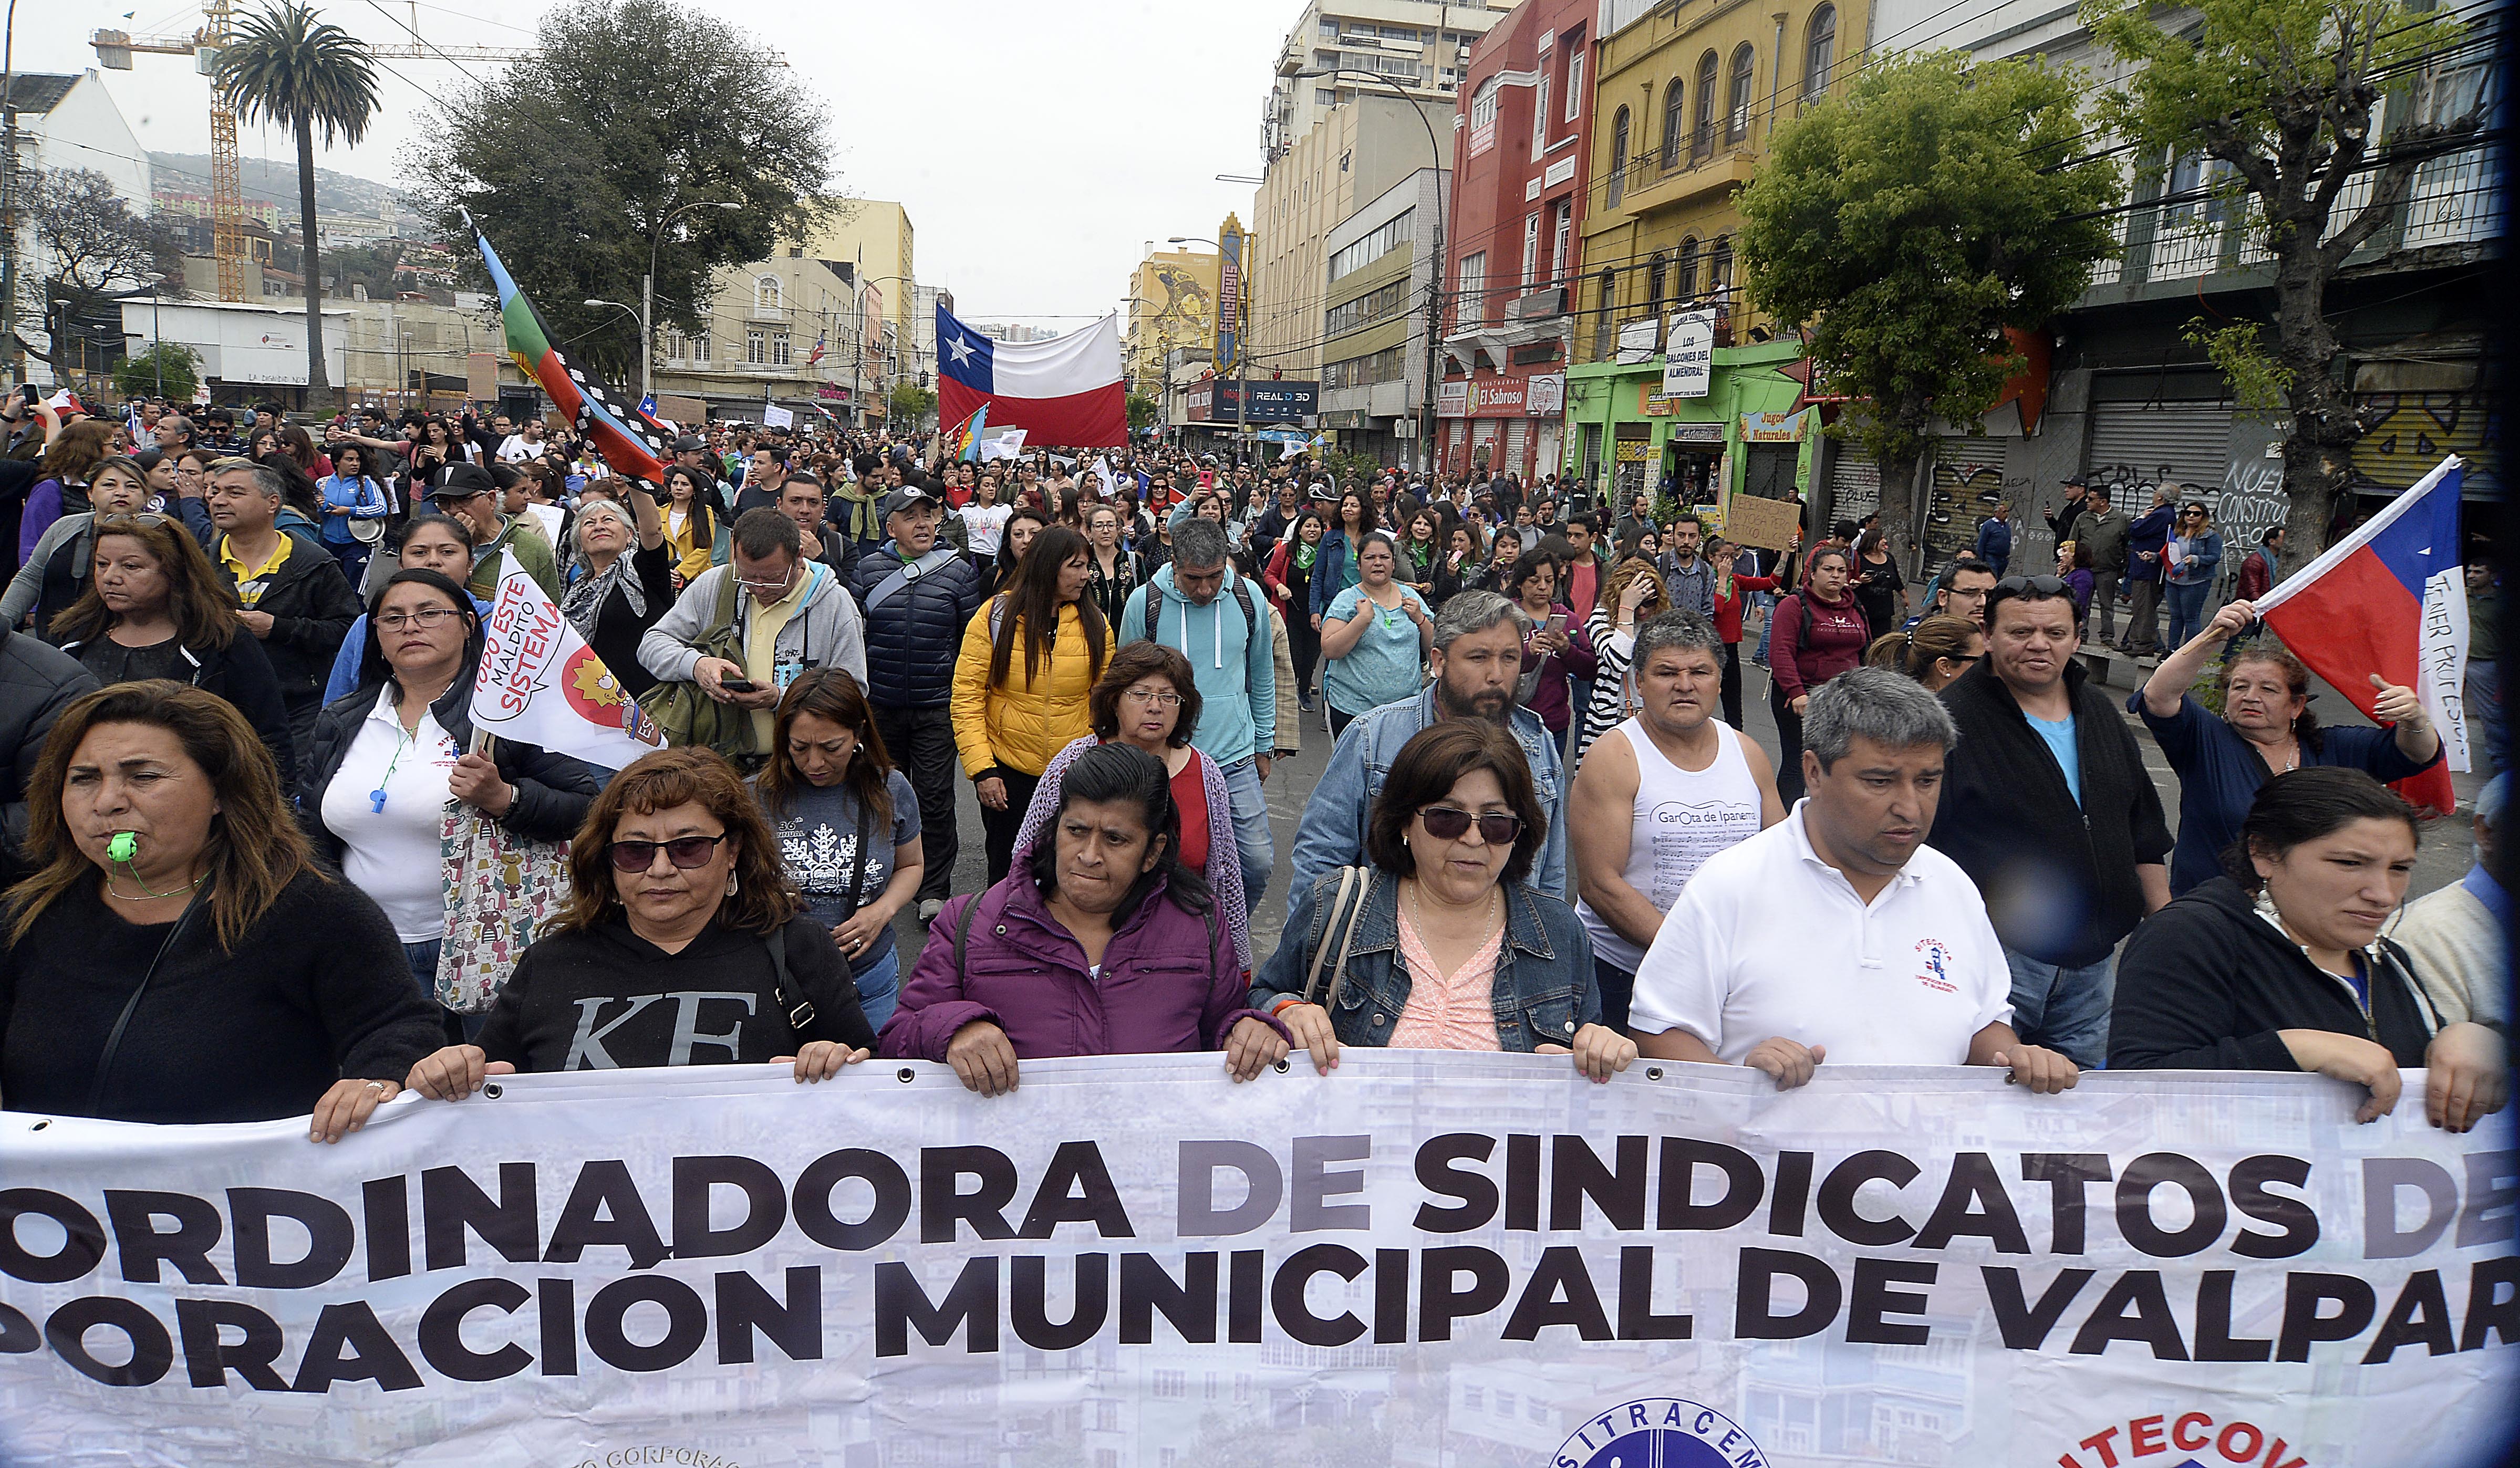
[[2251, 500], [2408, 433]]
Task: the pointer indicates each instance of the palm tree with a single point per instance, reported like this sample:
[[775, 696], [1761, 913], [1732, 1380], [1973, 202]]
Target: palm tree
[[286, 68]]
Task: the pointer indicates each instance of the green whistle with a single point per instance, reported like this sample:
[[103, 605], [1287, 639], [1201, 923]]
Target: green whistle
[[123, 847]]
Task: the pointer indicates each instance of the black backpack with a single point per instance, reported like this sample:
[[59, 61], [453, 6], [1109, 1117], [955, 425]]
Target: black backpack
[[1156, 600]]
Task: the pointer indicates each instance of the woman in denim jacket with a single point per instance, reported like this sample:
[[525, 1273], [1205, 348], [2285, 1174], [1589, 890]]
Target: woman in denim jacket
[[1452, 949]]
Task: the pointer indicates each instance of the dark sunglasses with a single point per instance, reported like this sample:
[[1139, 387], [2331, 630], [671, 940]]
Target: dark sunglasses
[[2036, 586], [1445, 823], [685, 852]]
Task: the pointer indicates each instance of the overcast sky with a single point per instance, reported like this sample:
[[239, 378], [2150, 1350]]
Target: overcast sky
[[1037, 147]]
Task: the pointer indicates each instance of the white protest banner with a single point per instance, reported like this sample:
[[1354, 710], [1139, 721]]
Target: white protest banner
[[1421, 1259], [1689, 358], [2441, 672], [1005, 443], [540, 683], [776, 416]]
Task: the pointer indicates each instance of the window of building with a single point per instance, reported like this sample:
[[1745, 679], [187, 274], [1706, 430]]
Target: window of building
[[1701, 144], [778, 349], [1608, 300], [1172, 1383], [1474, 285], [1530, 251], [1565, 238], [1719, 266], [1330, 28], [1473, 1398], [1323, 97], [796, 252], [1373, 246], [1618, 185], [1742, 93], [1822, 54], [766, 294], [676, 348], [1483, 104], [1574, 78], [1675, 123], [700, 348], [1688, 268], [1540, 118], [1365, 309], [755, 349], [1657, 276]]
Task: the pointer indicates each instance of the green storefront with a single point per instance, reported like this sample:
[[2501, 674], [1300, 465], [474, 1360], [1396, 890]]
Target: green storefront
[[1624, 436]]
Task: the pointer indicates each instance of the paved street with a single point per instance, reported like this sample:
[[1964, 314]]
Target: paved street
[[2442, 857]]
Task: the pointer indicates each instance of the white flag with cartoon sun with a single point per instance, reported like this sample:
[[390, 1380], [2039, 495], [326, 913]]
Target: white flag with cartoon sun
[[541, 685]]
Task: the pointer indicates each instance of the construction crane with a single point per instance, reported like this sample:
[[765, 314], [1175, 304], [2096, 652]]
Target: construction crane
[[114, 49]]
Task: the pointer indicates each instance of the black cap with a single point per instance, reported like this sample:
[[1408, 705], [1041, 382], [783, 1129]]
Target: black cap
[[904, 497], [689, 443], [2076, 480], [462, 481]]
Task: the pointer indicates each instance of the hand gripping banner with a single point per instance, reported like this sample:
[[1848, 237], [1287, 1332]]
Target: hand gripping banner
[[1422, 1258]]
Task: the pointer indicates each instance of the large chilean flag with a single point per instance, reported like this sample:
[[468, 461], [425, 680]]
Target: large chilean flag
[[2391, 600], [1065, 392]]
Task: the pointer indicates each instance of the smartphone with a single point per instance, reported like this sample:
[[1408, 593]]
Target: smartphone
[[1557, 623], [739, 684]]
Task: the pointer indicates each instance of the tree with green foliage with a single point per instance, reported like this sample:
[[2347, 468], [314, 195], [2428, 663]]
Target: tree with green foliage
[[1907, 223], [96, 252], [910, 404], [2290, 97], [576, 159], [169, 369], [1143, 410], [286, 68]]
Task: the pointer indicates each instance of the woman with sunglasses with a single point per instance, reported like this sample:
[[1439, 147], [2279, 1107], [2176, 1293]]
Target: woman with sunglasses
[[54, 575], [1446, 945], [675, 889], [373, 787], [2190, 564]]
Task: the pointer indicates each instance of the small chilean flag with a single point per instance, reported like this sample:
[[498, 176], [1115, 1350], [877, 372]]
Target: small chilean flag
[[2391, 600], [1065, 391]]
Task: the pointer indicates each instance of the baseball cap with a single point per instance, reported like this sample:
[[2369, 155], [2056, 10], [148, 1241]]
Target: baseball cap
[[462, 481], [904, 497], [689, 443]]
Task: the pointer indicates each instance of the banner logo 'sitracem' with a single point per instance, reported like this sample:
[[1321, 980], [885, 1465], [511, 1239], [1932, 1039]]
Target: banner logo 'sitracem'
[[1665, 1432]]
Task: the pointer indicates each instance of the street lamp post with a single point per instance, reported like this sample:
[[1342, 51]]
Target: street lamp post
[[647, 292], [1435, 270]]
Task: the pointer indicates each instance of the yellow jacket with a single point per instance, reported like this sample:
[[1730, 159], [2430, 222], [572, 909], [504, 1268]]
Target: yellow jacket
[[1022, 724], [691, 555]]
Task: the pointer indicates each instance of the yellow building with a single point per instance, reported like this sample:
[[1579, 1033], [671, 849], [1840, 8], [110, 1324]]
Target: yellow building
[[1171, 303], [874, 237], [1687, 98]]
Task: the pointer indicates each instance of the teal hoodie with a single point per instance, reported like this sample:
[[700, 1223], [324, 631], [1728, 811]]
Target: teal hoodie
[[1232, 659]]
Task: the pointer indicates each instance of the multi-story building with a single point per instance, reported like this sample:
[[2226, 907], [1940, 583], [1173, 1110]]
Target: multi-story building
[[1379, 284], [795, 331], [65, 121], [874, 238], [1689, 97], [1171, 303], [2116, 393], [1354, 154], [1414, 46], [1522, 166]]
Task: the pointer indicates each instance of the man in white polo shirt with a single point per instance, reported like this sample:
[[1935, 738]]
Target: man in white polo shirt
[[1837, 932]]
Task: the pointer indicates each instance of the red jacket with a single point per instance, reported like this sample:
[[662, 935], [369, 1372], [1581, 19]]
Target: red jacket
[[1801, 658], [1727, 602]]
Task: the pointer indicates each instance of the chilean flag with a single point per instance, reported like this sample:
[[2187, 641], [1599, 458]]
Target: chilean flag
[[2391, 598], [1065, 391]]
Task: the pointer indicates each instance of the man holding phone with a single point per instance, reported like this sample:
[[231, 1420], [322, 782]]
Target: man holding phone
[[789, 614]]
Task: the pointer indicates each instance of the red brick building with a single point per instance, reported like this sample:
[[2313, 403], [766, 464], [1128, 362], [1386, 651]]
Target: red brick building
[[1520, 169]]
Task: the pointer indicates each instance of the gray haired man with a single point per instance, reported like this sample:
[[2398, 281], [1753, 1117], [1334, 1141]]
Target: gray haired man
[[1838, 933], [1658, 795], [1476, 662]]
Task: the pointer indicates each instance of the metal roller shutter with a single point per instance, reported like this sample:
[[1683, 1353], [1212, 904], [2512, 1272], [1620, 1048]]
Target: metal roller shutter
[[1969, 481], [2137, 446], [1518, 445], [1854, 484]]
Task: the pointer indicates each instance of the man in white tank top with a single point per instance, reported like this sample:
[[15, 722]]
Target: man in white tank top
[[1660, 794]]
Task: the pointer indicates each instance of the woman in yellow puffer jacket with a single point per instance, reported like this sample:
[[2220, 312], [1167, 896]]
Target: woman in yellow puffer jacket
[[1019, 693]]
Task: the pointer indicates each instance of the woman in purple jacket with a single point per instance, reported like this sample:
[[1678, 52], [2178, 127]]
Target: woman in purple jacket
[[1097, 943]]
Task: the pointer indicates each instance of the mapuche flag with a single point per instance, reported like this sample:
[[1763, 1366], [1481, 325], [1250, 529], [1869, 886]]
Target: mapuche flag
[[2391, 598], [631, 440], [1065, 391]]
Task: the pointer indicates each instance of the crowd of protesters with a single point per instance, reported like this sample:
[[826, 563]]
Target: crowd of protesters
[[235, 679]]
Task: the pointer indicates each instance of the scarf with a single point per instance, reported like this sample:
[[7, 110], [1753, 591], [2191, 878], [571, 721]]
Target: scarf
[[1305, 555], [861, 502], [583, 601]]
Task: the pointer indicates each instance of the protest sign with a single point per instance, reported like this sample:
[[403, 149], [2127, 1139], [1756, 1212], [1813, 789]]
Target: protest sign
[[1767, 523], [540, 683], [776, 416], [1423, 1257]]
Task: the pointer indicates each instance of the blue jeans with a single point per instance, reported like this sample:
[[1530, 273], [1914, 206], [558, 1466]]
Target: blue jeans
[[1766, 602], [2187, 612], [880, 989], [423, 959], [2065, 1009], [1252, 839]]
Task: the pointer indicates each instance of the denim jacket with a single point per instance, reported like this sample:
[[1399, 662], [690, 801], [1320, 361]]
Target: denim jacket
[[1331, 835], [1545, 988]]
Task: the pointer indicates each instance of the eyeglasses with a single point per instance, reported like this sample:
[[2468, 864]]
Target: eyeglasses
[[429, 618], [1159, 697], [685, 852], [134, 517], [2036, 586], [779, 585], [1445, 823]]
